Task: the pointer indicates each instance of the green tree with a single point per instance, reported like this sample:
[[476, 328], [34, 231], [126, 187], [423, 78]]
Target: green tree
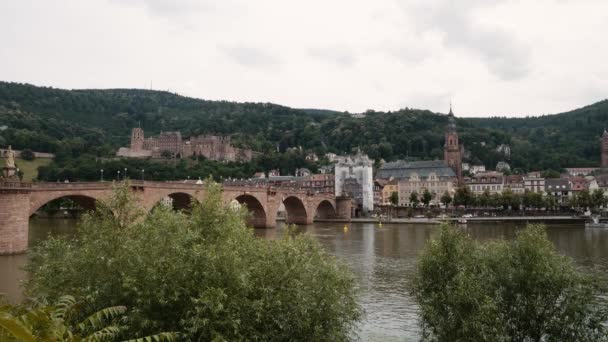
[[484, 199], [394, 198], [583, 199], [426, 197], [204, 274], [414, 199], [446, 199], [464, 196], [598, 199], [520, 290], [166, 154]]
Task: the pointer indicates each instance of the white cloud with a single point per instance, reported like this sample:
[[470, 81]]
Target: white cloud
[[502, 57]]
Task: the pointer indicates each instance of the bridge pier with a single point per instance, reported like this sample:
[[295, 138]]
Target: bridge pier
[[344, 207], [14, 222]]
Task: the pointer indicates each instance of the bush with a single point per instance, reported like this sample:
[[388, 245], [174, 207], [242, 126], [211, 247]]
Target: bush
[[27, 154], [521, 290], [205, 275]]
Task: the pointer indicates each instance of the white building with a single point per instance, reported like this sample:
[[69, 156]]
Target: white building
[[475, 169], [358, 167]]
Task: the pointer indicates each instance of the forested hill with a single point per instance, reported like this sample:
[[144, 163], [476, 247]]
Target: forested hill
[[98, 121]]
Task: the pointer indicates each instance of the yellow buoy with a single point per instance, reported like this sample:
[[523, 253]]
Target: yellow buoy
[[380, 224], [345, 228]]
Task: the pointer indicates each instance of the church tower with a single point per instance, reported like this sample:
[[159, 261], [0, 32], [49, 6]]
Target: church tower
[[452, 150], [604, 148], [137, 139]]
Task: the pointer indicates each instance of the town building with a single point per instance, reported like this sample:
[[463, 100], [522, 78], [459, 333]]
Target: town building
[[378, 187], [359, 168], [171, 144], [491, 181], [453, 150], [318, 183], [533, 182], [515, 183], [559, 189], [578, 184], [391, 186], [475, 169], [580, 171], [303, 172], [436, 184], [435, 176]]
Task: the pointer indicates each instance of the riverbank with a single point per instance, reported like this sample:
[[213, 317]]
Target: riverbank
[[488, 219]]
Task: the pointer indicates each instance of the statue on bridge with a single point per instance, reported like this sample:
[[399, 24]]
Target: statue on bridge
[[9, 171], [10, 157]]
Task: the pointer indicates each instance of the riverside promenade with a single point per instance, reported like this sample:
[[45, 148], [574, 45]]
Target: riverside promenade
[[471, 220]]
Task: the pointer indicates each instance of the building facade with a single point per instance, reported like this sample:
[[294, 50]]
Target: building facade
[[359, 168], [559, 189], [322, 183], [432, 182], [389, 188], [534, 183], [515, 183], [435, 176], [493, 182]]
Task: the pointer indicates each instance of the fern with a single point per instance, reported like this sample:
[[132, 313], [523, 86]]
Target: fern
[[161, 337], [15, 328]]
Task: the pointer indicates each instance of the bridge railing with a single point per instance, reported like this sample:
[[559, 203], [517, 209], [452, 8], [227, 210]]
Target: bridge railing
[[15, 185], [229, 185]]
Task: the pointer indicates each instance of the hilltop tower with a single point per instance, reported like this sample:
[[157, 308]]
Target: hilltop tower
[[604, 148], [137, 139], [452, 150]]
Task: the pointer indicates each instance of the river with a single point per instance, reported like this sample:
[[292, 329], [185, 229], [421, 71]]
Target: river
[[383, 259]]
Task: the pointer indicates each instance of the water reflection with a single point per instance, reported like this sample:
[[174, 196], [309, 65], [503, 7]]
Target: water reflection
[[383, 259]]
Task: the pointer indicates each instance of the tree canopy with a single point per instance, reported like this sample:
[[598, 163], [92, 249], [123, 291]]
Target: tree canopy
[[204, 274]]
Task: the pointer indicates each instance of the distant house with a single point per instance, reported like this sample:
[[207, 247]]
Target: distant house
[[493, 182], [533, 182], [475, 169], [515, 183], [578, 184], [580, 171], [559, 189], [391, 185], [318, 183]]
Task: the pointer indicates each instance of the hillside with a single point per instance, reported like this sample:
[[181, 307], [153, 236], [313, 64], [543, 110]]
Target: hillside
[[73, 123]]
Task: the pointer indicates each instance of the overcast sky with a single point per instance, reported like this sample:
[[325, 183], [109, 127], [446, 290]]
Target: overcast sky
[[489, 57]]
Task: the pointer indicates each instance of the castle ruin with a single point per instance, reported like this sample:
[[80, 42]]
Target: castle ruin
[[212, 147]]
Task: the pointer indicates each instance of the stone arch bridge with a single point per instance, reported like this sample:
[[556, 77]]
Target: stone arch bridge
[[19, 201]]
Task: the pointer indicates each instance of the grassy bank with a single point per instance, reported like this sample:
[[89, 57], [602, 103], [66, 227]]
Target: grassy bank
[[29, 167]]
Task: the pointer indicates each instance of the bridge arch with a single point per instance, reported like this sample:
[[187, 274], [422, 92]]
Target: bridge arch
[[295, 209], [86, 201], [325, 210], [178, 200], [257, 211]]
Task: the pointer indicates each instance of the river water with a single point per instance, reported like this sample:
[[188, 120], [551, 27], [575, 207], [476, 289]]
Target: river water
[[383, 258]]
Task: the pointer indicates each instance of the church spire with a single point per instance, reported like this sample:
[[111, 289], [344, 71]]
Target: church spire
[[451, 120]]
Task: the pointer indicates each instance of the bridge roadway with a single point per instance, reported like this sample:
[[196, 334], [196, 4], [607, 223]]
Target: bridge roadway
[[19, 201]]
